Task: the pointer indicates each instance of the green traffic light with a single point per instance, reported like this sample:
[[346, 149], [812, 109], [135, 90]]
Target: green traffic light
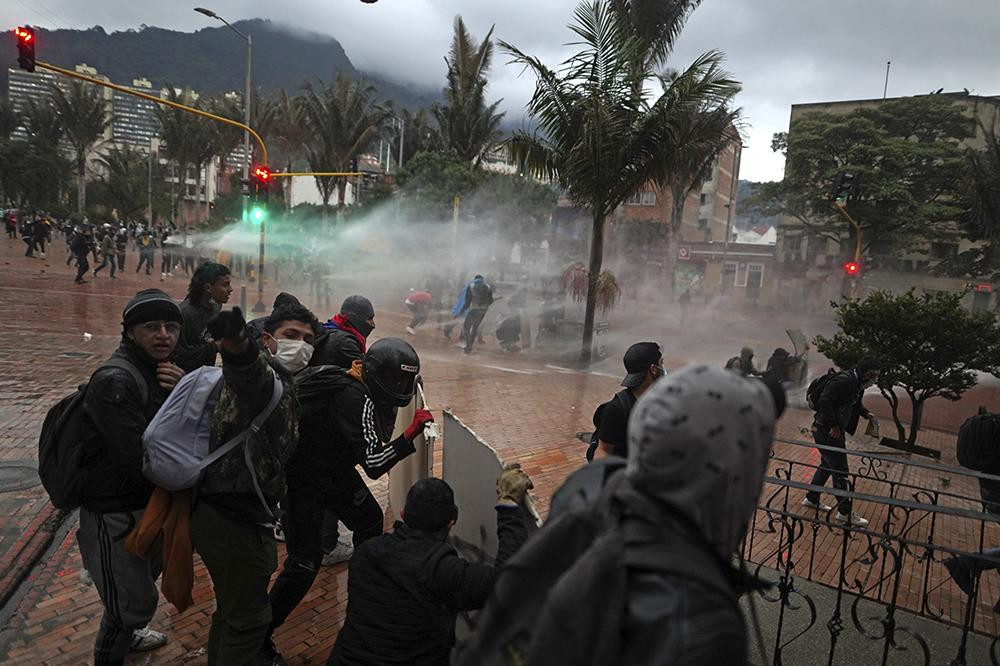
[[257, 214]]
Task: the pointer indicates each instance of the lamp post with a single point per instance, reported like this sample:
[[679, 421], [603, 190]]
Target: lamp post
[[259, 305]]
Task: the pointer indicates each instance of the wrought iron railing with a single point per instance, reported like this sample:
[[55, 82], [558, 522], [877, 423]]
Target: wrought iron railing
[[896, 562]]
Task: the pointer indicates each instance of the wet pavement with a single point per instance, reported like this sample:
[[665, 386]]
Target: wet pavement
[[528, 406]]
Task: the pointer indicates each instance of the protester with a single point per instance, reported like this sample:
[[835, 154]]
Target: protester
[[746, 363], [346, 420], [28, 236], [782, 362], [406, 588], [121, 245], [116, 492], [41, 231], [643, 573], [80, 247], [208, 291], [231, 522], [348, 332], [838, 410], [147, 251], [107, 253], [167, 254], [419, 304], [644, 365], [474, 300]]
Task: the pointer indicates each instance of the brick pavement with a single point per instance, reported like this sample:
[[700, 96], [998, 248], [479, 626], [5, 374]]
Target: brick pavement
[[523, 405]]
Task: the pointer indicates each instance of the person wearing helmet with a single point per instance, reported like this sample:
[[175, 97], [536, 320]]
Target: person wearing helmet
[[346, 419]]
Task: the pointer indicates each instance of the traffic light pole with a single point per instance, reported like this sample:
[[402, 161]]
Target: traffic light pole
[[857, 243]]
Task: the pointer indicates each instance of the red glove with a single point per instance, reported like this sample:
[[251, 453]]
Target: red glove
[[420, 419]]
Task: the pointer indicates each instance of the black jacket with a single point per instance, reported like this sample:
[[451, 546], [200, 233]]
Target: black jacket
[[840, 403], [405, 589], [114, 419], [336, 347], [195, 347], [340, 426]]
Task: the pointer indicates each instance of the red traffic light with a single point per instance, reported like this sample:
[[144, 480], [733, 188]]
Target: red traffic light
[[25, 48], [262, 173], [24, 34], [852, 268]]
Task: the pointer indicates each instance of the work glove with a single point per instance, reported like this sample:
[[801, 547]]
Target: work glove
[[227, 325], [512, 485], [420, 419]]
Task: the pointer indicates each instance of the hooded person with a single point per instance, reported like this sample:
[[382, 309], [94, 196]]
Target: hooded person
[[346, 338], [746, 363], [474, 300], [653, 537]]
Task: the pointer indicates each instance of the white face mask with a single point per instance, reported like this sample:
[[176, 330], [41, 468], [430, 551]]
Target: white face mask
[[293, 354]]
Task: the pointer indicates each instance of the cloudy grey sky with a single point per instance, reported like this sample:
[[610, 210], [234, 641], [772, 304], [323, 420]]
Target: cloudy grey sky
[[784, 51]]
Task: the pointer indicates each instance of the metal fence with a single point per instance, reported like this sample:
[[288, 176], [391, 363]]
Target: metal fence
[[894, 564]]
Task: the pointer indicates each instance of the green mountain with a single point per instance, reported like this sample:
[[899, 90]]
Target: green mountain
[[211, 60]]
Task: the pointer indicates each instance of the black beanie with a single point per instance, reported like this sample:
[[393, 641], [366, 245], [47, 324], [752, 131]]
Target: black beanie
[[150, 305], [357, 306], [430, 505]]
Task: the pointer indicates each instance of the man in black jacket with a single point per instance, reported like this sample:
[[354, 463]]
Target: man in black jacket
[[346, 420], [838, 410], [406, 588], [644, 365], [116, 492], [208, 291]]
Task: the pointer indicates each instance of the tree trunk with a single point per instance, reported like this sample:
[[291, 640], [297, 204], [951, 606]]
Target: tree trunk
[[674, 241], [890, 396], [918, 417], [286, 189], [81, 184], [596, 259]]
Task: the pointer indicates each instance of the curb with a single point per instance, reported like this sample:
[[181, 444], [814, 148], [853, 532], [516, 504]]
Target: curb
[[35, 541]]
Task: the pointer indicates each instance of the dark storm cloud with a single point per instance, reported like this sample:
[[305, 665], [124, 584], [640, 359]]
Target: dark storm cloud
[[784, 52]]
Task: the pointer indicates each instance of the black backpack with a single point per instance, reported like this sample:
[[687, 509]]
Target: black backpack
[[627, 403], [978, 445], [816, 387], [62, 448]]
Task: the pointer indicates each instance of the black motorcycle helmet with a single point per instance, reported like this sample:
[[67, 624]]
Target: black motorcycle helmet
[[391, 367]]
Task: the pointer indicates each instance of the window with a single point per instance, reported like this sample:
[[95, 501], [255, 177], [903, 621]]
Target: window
[[703, 223], [643, 198], [729, 273], [793, 243], [741, 275], [702, 199], [755, 276]]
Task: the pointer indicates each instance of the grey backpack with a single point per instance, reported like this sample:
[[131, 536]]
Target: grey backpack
[[175, 445]]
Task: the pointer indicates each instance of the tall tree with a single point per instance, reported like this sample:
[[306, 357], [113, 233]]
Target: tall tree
[[982, 221], [45, 172], [9, 121], [83, 111], [125, 180], [600, 129], [468, 125], [289, 134], [344, 118], [177, 131]]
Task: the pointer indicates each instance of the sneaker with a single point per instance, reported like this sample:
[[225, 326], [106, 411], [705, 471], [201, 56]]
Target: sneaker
[[342, 552], [819, 506], [410, 331], [145, 639], [279, 532], [961, 572], [854, 520], [85, 577]]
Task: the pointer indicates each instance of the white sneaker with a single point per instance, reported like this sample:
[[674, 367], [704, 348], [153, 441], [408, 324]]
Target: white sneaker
[[85, 577], [854, 520], [145, 639], [410, 331], [819, 506], [342, 552]]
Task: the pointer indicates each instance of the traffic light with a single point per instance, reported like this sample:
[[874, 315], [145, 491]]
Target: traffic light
[[842, 184], [25, 48], [261, 178], [852, 268], [258, 213]]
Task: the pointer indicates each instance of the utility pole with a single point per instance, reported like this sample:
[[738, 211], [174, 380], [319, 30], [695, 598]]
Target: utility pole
[[149, 183], [402, 133], [885, 90]]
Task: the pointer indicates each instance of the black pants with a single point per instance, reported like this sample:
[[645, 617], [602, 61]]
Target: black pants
[[121, 261], [350, 500], [30, 242], [419, 311], [82, 266], [167, 265], [145, 258], [11, 231], [832, 463], [470, 329]]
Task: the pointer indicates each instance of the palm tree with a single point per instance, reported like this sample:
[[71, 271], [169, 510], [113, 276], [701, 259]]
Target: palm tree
[[983, 195], [84, 116], [46, 171], [419, 135], [704, 130], [125, 179], [177, 131], [9, 121], [290, 134], [600, 130], [468, 125], [343, 119]]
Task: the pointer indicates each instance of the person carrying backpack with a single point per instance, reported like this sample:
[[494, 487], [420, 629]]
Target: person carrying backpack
[[634, 565], [347, 417], [232, 519], [116, 410], [644, 365], [839, 407]]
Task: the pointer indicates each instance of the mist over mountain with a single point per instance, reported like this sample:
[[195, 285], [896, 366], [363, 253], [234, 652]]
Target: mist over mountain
[[210, 60]]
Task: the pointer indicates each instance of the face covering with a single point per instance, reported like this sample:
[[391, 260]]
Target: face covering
[[293, 354], [361, 325]]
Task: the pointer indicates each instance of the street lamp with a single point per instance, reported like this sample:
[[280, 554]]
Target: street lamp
[[259, 305]]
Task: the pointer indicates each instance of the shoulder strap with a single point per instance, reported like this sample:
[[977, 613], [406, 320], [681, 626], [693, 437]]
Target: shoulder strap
[[140, 381]]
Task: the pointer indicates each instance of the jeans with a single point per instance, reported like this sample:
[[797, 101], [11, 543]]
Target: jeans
[[125, 583], [107, 260], [351, 501], [121, 261], [145, 258], [471, 327], [832, 463], [419, 311], [240, 558]]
